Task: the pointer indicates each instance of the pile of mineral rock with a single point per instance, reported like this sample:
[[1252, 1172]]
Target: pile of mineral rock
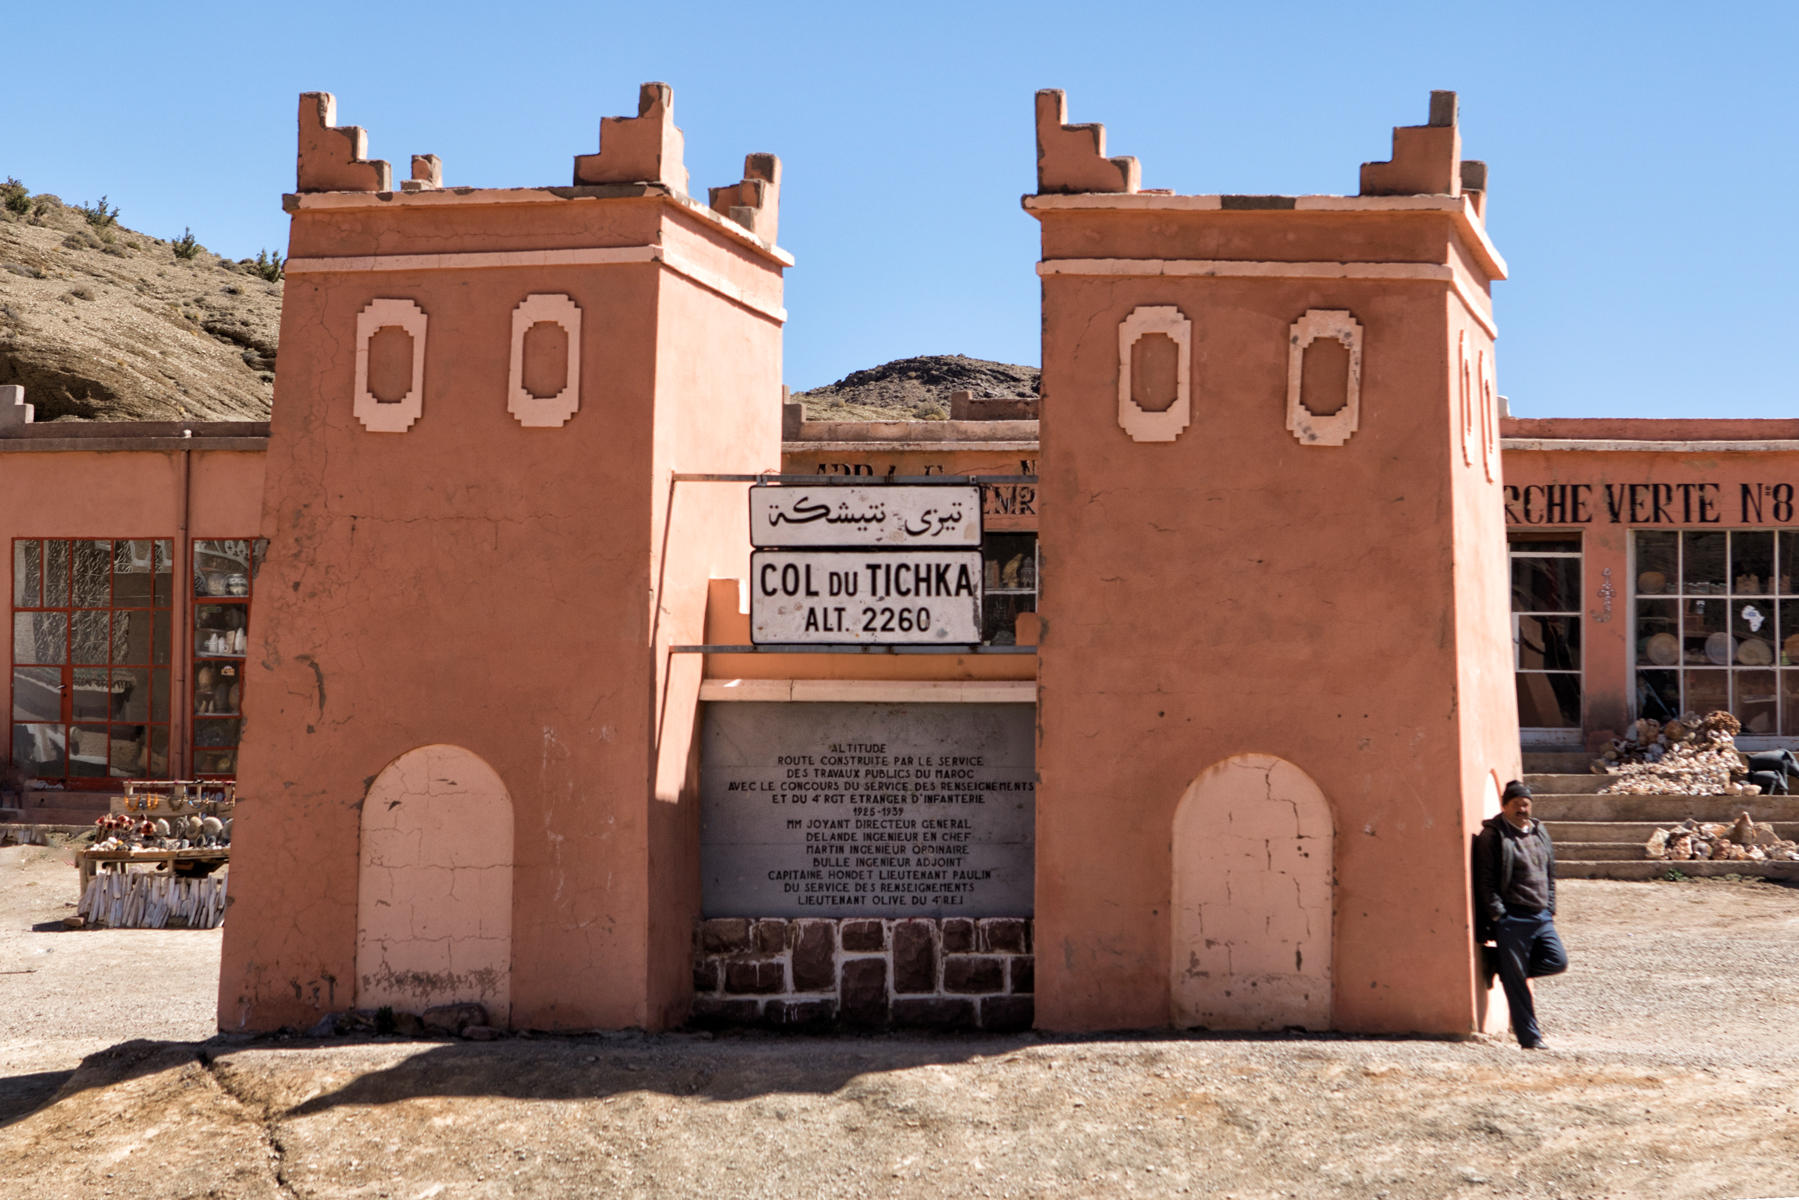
[[1743, 840], [1691, 756]]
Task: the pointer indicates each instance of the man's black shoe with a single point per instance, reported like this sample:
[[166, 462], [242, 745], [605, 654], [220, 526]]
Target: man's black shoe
[[1539, 1044]]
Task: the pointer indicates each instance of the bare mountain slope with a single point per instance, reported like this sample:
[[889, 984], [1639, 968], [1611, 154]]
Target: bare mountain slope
[[914, 389], [100, 322]]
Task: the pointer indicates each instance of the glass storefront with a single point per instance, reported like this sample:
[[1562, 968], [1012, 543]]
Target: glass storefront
[[1717, 626], [1009, 586], [224, 578], [1546, 629], [90, 659]]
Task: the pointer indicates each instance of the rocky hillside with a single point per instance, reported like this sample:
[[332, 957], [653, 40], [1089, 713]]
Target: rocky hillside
[[914, 389], [99, 322]]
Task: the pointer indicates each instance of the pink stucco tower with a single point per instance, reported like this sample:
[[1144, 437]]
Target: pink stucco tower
[[1275, 685], [470, 755]]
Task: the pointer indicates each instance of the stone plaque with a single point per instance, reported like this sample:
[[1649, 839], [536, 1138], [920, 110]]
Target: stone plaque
[[867, 810]]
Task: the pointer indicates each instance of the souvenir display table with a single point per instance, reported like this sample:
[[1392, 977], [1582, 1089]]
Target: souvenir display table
[[158, 856]]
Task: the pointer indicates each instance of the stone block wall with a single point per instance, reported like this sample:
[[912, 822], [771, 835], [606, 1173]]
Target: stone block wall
[[864, 973]]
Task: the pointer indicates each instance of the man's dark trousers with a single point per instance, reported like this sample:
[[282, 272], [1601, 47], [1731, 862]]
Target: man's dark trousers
[[1528, 949]]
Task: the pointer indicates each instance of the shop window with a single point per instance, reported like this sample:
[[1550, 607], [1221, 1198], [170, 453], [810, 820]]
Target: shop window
[[90, 660], [224, 586], [1008, 586], [1546, 620], [1717, 626]]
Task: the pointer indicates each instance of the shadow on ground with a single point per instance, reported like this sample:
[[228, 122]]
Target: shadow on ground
[[593, 1067], [596, 1068], [22, 1095], [728, 1068], [559, 1068]]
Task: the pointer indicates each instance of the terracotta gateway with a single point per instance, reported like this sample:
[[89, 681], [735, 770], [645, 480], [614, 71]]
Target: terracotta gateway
[[563, 670]]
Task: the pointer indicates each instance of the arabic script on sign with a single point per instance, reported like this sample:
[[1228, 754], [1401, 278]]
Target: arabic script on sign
[[893, 516]]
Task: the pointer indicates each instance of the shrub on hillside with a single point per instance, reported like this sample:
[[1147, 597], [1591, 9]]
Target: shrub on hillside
[[186, 246], [15, 196], [98, 214]]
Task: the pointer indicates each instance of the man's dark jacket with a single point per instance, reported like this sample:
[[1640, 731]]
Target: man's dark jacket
[[1495, 858]]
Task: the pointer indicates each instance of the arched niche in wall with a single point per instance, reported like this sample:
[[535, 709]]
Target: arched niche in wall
[[1466, 406], [1253, 899], [434, 888], [531, 359], [1489, 419], [1324, 388], [1155, 388], [390, 319]]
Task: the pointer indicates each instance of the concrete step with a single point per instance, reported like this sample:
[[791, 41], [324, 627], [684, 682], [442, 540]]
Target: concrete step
[[1566, 785], [1663, 809], [1553, 761], [1659, 869], [1636, 832]]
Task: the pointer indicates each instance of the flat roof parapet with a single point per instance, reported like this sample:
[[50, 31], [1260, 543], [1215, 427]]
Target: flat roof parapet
[[890, 435], [1657, 434], [17, 424], [1460, 209]]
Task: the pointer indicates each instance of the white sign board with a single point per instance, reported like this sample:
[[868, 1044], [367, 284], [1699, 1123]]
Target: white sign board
[[865, 597], [895, 516]]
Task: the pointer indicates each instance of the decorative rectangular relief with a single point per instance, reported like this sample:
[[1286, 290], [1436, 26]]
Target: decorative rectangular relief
[[1328, 410], [398, 415], [550, 410], [1152, 406]]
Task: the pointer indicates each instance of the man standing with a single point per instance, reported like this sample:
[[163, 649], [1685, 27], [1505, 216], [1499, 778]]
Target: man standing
[[1514, 898]]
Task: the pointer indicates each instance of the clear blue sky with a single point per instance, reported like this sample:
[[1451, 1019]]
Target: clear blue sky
[[1643, 156]]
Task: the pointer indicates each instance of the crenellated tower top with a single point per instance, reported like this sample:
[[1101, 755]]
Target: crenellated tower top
[[642, 152]]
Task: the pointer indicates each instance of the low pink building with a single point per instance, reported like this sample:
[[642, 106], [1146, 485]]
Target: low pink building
[[134, 554], [1656, 571]]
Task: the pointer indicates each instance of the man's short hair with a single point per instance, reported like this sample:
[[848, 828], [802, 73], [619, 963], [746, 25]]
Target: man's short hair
[[1517, 789]]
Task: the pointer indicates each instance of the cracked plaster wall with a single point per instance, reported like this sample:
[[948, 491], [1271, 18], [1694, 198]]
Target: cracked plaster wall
[[1488, 713], [128, 494], [1234, 591], [499, 588], [719, 376], [434, 893], [1252, 901]]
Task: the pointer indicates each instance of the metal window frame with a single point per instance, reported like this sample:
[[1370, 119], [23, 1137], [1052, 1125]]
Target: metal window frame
[[1680, 596], [1517, 543], [67, 721], [258, 547]]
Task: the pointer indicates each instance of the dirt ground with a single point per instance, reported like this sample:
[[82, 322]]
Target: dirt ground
[[1673, 1074]]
